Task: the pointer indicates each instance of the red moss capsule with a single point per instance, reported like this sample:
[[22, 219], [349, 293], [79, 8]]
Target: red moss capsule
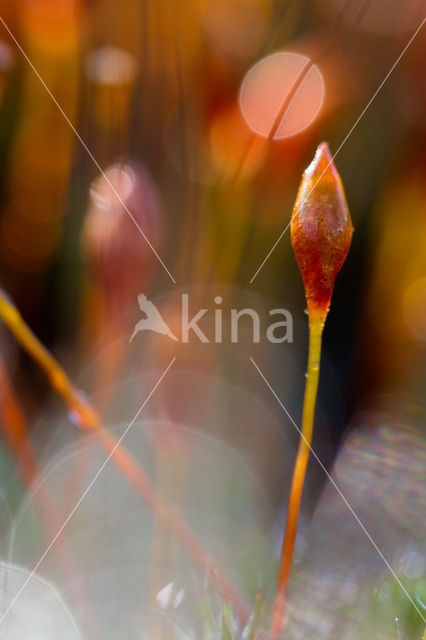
[[321, 229]]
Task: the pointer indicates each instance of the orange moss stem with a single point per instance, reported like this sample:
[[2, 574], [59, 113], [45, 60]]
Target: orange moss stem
[[321, 232], [56, 375], [316, 324]]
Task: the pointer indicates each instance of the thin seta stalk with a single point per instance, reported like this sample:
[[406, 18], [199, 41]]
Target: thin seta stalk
[[321, 232]]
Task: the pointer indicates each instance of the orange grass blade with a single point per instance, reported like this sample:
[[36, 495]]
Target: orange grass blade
[[76, 404]]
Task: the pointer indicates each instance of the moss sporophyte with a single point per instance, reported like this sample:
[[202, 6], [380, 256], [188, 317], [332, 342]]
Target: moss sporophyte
[[321, 232]]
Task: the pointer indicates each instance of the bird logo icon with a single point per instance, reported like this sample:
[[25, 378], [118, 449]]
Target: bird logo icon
[[153, 320]]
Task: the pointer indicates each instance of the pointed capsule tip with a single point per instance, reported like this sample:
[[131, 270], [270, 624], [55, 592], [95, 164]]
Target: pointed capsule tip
[[322, 162], [324, 150]]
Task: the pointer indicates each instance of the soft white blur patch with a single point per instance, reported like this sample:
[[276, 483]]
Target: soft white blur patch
[[103, 197], [107, 218], [38, 612], [111, 66], [130, 573], [168, 598]]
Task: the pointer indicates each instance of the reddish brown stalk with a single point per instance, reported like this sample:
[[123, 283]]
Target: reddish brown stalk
[[321, 231]]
